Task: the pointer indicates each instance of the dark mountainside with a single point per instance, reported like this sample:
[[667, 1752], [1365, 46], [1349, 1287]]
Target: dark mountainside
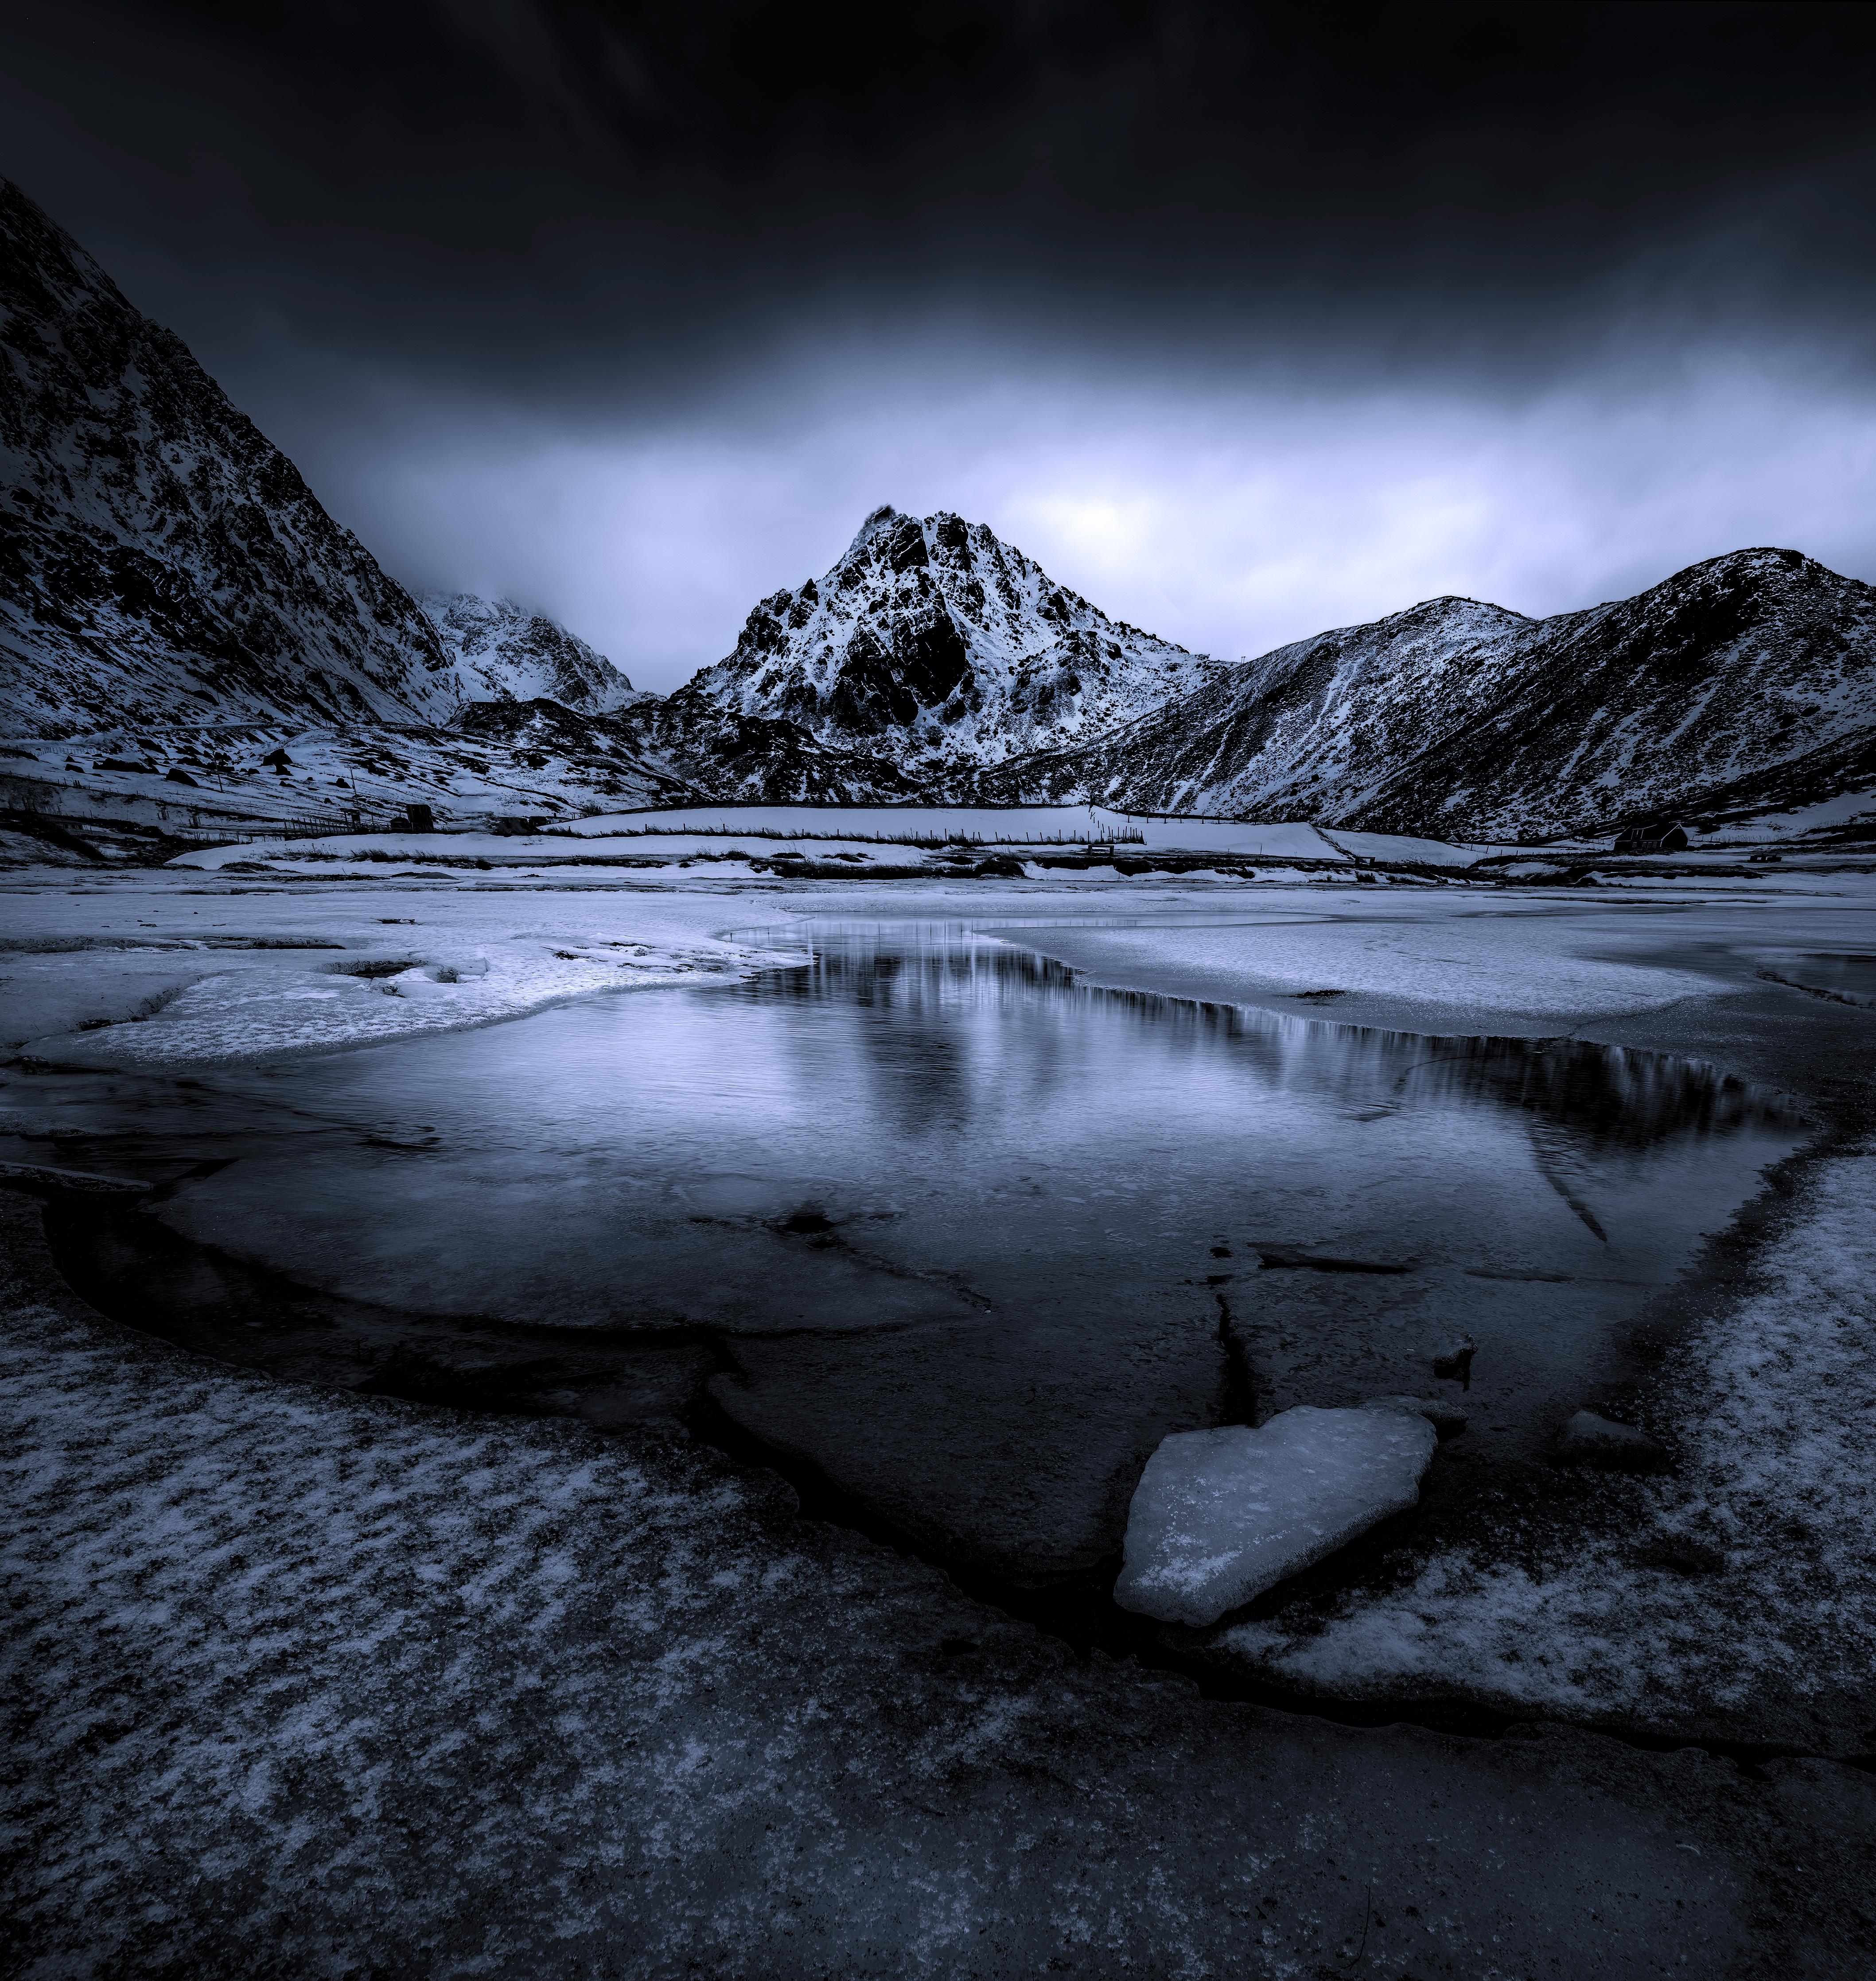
[[163, 567], [160, 560], [1745, 682]]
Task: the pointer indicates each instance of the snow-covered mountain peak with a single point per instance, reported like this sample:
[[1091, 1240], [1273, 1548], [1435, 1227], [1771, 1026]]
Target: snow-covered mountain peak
[[501, 651], [933, 642], [882, 520]]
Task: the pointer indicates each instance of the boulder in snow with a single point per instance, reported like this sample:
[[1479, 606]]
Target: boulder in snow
[[1221, 1516]]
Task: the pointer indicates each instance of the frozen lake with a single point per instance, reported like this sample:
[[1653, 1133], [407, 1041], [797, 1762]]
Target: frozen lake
[[959, 1236]]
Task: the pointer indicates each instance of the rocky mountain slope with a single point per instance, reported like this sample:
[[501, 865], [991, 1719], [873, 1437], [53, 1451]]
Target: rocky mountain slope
[[500, 651], [164, 571], [1741, 682], [160, 560], [933, 647]]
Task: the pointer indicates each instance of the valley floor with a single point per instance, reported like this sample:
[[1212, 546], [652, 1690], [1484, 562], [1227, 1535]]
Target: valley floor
[[311, 1682]]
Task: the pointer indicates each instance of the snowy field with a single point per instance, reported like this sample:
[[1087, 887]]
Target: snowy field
[[1038, 825]]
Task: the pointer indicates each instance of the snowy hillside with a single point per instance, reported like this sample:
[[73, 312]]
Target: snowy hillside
[[1746, 680], [933, 645], [501, 651], [160, 561], [500, 759]]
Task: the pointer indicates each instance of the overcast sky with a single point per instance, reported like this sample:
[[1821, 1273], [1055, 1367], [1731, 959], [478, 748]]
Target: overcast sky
[[1244, 322]]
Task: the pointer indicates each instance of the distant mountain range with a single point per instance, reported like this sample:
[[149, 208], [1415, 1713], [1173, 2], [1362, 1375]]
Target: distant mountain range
[[1745, 682], [164, 567]]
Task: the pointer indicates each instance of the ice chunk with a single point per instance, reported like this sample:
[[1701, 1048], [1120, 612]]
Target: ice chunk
[[1220, 1516]]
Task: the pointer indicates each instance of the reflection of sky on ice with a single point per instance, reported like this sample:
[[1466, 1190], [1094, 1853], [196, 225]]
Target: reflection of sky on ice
[[1039, 1175]]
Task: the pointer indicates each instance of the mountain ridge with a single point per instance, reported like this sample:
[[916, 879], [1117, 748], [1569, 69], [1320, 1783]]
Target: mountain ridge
[[162, 566], [1456, 718]]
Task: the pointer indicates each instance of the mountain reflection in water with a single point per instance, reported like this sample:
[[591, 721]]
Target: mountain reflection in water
[[963, 1234]]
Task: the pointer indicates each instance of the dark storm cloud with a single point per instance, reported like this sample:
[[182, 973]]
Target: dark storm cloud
[[1247, 320], [575, 184]]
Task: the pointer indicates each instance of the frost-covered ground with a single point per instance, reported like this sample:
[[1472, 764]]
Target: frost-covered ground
[[308, 1684]]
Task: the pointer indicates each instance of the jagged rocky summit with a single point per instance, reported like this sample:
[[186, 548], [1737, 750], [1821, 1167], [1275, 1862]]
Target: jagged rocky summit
[[1744, 683], [933, 647], [501, 651]]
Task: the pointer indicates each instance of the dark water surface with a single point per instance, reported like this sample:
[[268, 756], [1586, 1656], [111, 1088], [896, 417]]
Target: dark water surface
[[967, 1238]]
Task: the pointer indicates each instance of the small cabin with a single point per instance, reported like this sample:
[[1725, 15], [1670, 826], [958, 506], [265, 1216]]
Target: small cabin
[[1652, 838]]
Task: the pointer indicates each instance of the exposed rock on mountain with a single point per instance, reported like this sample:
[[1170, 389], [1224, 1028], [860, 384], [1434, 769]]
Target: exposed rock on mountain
[[160, 560], [1743, 681], [764, 760], [607, 757], [935, 646], [501, 651]]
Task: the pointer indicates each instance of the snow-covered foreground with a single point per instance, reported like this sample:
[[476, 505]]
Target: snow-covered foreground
[[308, 1684]]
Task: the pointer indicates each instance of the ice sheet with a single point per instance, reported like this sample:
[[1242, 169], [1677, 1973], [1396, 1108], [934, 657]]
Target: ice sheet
[[1221, 1516], [469, 960], [1453, 962]]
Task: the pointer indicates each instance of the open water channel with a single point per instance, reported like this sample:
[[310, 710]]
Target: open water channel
[[940, 1227]]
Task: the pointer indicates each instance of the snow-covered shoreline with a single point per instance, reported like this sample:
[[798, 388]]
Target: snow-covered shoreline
[[1735, 1595], [174, 979]]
